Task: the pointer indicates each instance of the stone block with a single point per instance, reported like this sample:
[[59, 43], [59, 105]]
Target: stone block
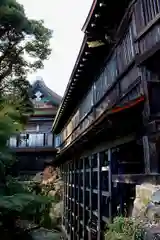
[[145, 204]]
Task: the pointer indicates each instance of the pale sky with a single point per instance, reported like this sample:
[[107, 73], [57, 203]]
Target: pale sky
[[65, 18]]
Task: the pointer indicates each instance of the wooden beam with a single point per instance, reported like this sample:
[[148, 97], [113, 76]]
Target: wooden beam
[[135, 178], [142, 59], [154, 161], [146, 154], [150, 156], [37, 149]]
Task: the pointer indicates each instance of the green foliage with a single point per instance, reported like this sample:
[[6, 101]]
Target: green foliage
[[24, 45], [22, 203], [124, 229], [17, 200], [43, 215], [24, 42], [21, 35], [9, 125]]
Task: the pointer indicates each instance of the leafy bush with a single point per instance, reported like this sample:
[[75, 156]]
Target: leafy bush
[[124, 229], [17, 200]]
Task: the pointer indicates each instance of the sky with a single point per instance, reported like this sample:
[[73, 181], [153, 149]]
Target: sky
[[65, 18]]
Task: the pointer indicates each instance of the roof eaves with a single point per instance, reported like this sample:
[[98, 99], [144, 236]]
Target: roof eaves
[[58, 115], [84, 43], [84, 28]]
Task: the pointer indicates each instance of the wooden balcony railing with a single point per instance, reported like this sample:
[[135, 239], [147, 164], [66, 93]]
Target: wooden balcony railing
[[147, 17], [119, 81], [118, 93], [146, 13], [149, 40], [31, 140]]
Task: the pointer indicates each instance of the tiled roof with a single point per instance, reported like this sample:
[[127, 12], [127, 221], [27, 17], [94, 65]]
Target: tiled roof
[[40, 84]]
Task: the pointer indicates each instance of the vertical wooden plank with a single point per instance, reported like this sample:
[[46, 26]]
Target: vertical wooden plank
[[64, 204], [90, 193], [146, 154], [65, 196], [141, 14], [150, 156], [66, 212], [151, 6], [69, 198], [75, 198], [158, 5], [154, 163], [155, 7], [138, 22], [84, 201], [68, 228], [71, 182], [148, 6], [146, 110], [110, 183], [99, 195], [78, 202], [145, 12], [74, 206], [63, 179]]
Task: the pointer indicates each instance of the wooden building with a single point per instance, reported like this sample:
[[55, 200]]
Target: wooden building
[[35, 147], [108, 122]]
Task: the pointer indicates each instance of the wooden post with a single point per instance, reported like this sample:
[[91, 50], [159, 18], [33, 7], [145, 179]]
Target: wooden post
[[99, 196], [110, 182], [90, 196], [84, 199], [149, 147], [150, 156]]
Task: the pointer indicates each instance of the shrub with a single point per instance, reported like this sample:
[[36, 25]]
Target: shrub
[[18, 201], [124, 229]]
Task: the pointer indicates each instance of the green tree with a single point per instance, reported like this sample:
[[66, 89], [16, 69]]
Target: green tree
[[18, 201], [24, 45]]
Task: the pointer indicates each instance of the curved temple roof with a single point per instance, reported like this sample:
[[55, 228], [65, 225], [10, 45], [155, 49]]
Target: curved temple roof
[[40, 84]]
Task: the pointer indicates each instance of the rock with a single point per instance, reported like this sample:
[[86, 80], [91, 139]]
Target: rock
[[25, 224], [153, 208], [38, 177], [45, 234], [145, 204], [152, 232], [58, 186], [156, 197], [57, 210], [52, 193], [49, 180], [49, 172]]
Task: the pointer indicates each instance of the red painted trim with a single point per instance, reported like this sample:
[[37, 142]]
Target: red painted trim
[[129, 105]]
